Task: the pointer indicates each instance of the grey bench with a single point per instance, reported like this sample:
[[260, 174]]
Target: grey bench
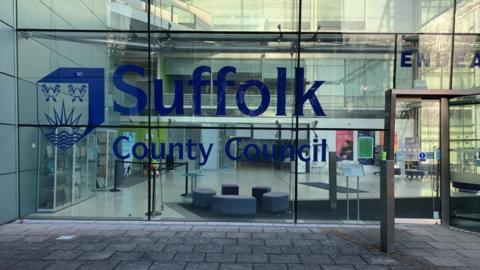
[[202, 197], [274, 202], [234, 205]]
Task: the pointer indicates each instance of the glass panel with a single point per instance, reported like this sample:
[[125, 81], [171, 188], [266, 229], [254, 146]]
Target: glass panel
[[102, 76], [465, 164], [241, 78], [417, 155], [468, 16], [83, 14], [378, 16], [80, 181], [354, 72], [466, 62], [423, 61], [188, 161], [217, 15], [210, 78], [344, 194]]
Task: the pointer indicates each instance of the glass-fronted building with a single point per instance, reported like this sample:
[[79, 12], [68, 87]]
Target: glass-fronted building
[[122, 109]]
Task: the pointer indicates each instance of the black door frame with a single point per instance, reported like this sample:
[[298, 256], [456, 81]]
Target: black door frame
[[387, 196]]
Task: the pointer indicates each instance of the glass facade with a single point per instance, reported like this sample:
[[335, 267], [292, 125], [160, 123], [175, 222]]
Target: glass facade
[[125, 108]]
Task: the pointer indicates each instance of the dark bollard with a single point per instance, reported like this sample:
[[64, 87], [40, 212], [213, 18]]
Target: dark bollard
[[387, 199], [332, 180]]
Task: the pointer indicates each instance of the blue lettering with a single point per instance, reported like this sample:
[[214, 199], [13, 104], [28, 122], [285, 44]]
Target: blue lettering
[[160, 155], [116, 147], [324, 150], [423, 60], [281, 90], [129, 89], [197, 84], [228, 148], [315, 149], [476, 60], [205, 154], [256, 150], [171, 149], [190, 151], [221, 84], [143, 149], [310, 95], [177, 104], [303, 148], [406, 59], [264, 92]]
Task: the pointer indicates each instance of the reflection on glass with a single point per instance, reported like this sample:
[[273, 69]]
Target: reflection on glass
[[417, 155], [223, 66], [42, 55], [466, 62], [246, 15], [357, 69], [381, 16], [83, 14], [423, 61], [212, 52], [465, 163], [329, 191], [217, 15], [78, 181], [467, 17]]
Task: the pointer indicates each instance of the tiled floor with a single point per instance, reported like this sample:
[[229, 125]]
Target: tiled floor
[[163, 245]]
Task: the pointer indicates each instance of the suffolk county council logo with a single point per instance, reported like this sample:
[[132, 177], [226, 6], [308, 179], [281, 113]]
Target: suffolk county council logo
[[70, 104]]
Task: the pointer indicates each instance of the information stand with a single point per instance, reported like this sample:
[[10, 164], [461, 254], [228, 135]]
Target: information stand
[[353, 170]]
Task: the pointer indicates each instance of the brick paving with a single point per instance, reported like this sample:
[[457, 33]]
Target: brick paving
[[197, 246]]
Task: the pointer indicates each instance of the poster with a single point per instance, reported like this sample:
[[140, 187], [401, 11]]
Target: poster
[[412, 149], [365, 147], [344, 144]]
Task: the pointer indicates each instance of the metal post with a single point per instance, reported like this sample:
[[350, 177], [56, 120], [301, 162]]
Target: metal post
[[154, 192], [387, 198], [445, 161], [358, 199], [116, 176], [387, 188], [153, 212], [186, 180], [161, 187], [332, 180], [390, 109], [191, 186], [348, 202]]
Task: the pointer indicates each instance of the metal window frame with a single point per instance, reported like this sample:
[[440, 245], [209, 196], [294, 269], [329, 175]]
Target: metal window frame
[[387, 195]]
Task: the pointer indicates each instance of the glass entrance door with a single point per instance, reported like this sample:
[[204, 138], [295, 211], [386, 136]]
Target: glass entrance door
[[417, 156], [465, 163]]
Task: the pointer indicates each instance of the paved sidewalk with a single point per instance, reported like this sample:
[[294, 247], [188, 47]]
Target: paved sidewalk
[[179, 246]]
